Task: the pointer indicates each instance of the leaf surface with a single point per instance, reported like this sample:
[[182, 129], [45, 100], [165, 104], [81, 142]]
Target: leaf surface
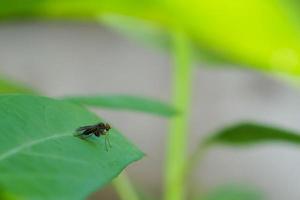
[[38, 150]]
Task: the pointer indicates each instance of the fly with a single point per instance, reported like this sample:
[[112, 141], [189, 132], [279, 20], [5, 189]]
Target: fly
[[97, 130]]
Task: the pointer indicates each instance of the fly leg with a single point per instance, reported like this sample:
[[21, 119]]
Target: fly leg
[[105, 141], [108, 141]]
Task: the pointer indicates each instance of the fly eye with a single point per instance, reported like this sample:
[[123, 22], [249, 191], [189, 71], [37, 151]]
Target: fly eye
[[107, 126]]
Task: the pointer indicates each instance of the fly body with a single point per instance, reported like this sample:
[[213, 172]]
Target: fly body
[[97, 130]]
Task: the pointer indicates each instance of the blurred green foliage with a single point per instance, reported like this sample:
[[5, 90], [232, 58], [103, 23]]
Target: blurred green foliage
[[243, 134], [252, 133], [260, 34], [125, 102], [234, 192], [10, 86], [254, 34]]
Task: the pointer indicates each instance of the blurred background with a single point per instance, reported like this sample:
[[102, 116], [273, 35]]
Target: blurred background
[[83, 57]]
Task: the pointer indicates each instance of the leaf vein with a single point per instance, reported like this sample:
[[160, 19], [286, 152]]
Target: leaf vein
[[53, 156], [19, 148]]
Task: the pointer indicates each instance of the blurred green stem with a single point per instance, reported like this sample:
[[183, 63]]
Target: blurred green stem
[[178, 135], [124, 187]]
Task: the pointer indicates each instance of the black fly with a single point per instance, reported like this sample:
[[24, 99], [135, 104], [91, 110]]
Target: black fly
[[97, 130]]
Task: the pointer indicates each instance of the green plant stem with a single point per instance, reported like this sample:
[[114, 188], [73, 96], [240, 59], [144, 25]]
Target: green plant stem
[[178, 135], [124, 188]]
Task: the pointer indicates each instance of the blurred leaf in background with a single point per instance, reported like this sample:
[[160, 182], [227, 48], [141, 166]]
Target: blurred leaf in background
[[125, 102], [242, 134], [260, 34], [252, 133], [234, 192], [153, 34], [10, 86]]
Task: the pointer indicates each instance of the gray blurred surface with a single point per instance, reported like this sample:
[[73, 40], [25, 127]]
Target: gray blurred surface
[[74, 58]]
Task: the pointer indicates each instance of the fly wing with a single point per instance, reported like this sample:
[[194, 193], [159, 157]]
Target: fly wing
[[83, 128]]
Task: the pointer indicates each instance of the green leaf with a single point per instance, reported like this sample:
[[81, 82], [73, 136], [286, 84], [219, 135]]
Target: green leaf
[[126, 102], [40, 158], [259, 34], [251, 133], [234, 192], [9, 86]]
